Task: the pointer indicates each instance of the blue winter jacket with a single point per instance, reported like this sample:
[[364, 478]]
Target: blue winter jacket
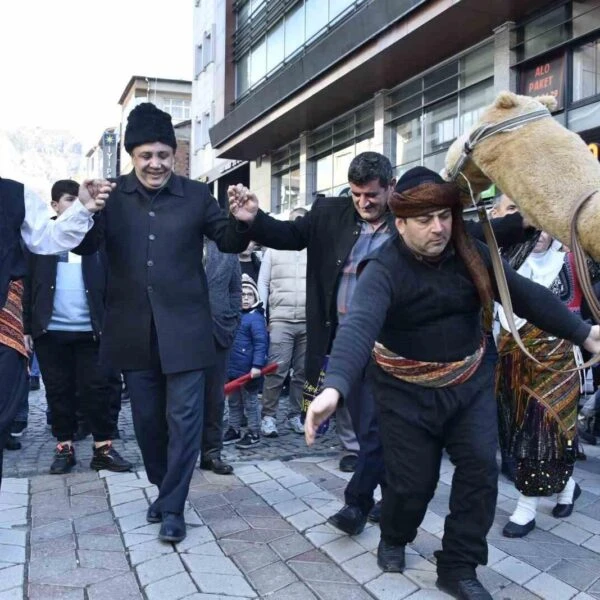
[[251, 345]]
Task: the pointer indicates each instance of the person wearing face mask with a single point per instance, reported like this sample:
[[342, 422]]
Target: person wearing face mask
[[158, 328], [542, 403]]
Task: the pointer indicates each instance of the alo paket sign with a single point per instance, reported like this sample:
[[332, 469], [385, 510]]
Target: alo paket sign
[[545, 78]]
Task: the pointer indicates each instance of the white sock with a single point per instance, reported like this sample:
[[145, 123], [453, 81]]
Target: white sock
[[525, 511], [566, 496]]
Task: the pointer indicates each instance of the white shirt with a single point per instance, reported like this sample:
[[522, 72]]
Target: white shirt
[[45, 236]]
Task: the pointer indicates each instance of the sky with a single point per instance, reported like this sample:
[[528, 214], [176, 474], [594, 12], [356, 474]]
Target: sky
[[65, 63]]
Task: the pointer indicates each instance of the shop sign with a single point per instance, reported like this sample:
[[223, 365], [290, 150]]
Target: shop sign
[[545, 78], [594, 150], [109, 150]]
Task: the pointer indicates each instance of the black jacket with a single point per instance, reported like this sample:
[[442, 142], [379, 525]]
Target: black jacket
[[154, 244], [329, 231], [40, 283]]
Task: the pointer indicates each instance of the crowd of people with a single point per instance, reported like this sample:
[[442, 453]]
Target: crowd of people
[[381, 307]]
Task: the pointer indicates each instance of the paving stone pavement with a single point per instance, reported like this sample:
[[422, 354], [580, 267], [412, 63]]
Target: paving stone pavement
[[261, 533]]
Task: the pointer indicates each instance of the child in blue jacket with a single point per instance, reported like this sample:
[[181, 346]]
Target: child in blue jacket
[[248, 355]]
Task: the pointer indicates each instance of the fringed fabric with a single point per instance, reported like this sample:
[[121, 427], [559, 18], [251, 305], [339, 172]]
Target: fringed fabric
[[537, 407], [428, 374]]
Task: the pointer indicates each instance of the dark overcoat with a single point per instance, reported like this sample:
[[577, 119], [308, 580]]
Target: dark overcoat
[[154, 244]]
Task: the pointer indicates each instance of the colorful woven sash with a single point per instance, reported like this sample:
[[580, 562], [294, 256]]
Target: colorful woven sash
[[11, 319], [428, 374]]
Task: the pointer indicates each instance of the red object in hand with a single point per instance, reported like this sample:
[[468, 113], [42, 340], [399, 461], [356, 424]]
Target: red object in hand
[[235, 384]]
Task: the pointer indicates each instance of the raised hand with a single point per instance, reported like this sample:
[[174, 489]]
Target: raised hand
[[319, 410], [94, 192], [254, 373], [592, 341], [243, 204]]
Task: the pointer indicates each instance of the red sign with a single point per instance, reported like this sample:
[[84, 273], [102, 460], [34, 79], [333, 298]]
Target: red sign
[[545, 78]]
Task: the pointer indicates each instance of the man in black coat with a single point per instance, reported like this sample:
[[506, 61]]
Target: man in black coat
[[225, 294], [338, 233], [158, 328]]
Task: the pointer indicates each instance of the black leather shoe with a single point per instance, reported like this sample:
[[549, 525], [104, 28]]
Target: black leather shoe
[[216, 465], [560, 511], [513, 530], [375, 513], [463, 589], [390, 558], [348, 463], [12, 443], [153, 514], [350, 520], [172, 528]]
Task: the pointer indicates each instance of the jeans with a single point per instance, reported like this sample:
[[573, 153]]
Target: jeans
[[287, 347], [34, 366], [244, 401], [74, 378]]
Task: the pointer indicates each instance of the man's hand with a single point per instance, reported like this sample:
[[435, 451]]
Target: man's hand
[[28, 340], [255, 373], [243, 204], [592, 341], [94, 192], [319, 410]]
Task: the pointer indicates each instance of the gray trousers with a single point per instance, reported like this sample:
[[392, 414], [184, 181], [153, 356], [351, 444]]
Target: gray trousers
[[287, 346]]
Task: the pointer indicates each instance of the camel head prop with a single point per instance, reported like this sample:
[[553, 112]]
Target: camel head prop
[[541, 165]]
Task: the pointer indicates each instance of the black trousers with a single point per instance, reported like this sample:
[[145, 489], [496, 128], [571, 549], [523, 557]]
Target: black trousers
[[417, 423], [13, 384], [214, 404], [74, 379], [167, 415], [369, 472]]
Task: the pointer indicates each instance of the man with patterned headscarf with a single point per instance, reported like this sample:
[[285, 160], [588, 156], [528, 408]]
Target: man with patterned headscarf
[[426, 335]]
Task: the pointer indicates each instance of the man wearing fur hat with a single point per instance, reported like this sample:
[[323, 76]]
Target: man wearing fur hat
[[158, 328], [424, 342], [24, 220]]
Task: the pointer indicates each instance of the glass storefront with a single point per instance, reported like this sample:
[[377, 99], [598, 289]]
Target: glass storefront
[[285, 170], [427, 114], [333, 147]]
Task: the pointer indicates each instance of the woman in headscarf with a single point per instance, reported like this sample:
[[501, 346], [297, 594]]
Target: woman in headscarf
[[539, 406]]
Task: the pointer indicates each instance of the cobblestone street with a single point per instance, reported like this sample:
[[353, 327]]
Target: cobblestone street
[[261, 533]]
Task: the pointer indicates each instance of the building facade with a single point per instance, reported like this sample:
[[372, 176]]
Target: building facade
[[308, 84]]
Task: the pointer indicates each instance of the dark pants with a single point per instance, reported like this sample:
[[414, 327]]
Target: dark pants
[[417, 423], [369, 472], [13, 384], [214, 404], [167, 415], [74, 379]]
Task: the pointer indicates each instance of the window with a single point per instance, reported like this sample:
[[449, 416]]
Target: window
[[205, 127], [302, 22], [586, 16], [543, 33], [208, 46], [258, 62], [586, 71], [178, 108], [294, 29], [316, 17], [275, 47], [285, 165], [333, 147], [198, 66], [427, 114]]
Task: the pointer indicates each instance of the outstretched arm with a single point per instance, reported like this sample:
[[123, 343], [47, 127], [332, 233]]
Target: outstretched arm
[[353, 343]]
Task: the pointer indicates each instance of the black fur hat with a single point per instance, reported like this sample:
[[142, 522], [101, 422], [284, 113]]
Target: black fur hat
[[147, 124], [416, 176]]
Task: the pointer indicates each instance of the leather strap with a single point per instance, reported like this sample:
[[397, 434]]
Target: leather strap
[[505, 294]]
